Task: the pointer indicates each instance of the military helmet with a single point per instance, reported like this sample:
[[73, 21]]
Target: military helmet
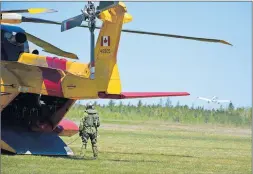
[[90, 106]]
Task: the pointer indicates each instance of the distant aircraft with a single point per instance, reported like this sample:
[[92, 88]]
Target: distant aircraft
[[214, 99]]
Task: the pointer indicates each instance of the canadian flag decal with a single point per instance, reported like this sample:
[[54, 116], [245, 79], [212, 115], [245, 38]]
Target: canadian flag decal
[[105, 41]]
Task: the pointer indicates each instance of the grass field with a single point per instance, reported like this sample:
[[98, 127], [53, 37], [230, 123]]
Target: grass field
[[148, 147]]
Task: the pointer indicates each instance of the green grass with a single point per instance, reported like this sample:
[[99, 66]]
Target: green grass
[[153, 147]]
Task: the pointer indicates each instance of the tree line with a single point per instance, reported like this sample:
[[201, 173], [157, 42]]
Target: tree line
[[166, 111]]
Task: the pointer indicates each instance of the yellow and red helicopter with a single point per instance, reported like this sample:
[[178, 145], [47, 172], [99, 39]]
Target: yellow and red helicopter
[[37, 91]]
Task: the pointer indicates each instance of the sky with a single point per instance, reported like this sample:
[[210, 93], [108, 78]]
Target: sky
[[152, 63]]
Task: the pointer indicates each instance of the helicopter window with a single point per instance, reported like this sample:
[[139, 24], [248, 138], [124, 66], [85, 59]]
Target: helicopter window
[[7, 35]]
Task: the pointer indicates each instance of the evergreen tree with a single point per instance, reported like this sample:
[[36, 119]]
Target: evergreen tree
[[139, 105], [111, 104], [231, 106], [168, 103], [161, 103], [121, 107], [221, 108], [192, 107], [178, 104]]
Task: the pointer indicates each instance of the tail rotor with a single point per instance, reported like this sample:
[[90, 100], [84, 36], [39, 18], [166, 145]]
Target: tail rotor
[[89, 15]]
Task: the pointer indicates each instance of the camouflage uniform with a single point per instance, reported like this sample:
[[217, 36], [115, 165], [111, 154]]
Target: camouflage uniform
[[88, 128]]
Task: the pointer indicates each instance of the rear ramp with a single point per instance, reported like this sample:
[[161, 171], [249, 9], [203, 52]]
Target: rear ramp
[[21, 141]]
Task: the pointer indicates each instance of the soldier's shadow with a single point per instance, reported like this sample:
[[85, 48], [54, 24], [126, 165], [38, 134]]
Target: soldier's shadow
[[147, 161], [88, 158], [155, 154], [136, 161]]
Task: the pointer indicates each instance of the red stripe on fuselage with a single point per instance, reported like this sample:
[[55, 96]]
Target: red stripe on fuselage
[[52, 81], [54, 62]]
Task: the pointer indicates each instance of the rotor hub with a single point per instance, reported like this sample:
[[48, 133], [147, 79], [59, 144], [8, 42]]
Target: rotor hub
[[90, 15]]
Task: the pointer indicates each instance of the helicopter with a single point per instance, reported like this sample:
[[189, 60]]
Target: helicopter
[[37, 91]]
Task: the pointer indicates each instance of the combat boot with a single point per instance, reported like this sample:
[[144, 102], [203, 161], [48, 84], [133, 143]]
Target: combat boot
[[81, 152], [95, 150]]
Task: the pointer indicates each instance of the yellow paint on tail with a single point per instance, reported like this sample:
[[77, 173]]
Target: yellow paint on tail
[[107, 74]]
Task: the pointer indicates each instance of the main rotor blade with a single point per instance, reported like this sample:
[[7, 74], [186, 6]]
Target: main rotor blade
[[30, 10], [135, 31], [176, 36], [170, 35], [69, 23], [37, 20], [49, 47]]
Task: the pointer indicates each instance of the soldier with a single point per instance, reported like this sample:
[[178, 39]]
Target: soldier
[[88, 128]]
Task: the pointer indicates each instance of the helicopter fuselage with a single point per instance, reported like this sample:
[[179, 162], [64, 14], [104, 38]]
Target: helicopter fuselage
[[38, 111]]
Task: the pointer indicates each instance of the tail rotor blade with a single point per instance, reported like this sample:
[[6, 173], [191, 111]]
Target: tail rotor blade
[[72, 22]]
